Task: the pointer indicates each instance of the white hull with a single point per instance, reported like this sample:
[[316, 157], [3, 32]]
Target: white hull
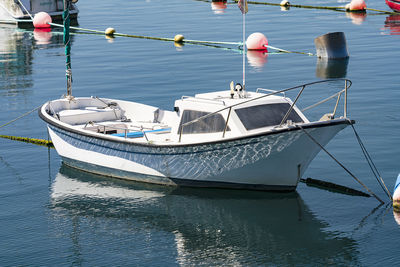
[[266, 162]]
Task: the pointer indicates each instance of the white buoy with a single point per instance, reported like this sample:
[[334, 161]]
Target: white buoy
[[41, 20], [256, 41], [356, 5]]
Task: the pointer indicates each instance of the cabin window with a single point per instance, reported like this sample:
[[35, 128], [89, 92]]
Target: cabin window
[[212, 124], [265, 115]]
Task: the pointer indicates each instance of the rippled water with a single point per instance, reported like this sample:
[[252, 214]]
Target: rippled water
[[52, 215]]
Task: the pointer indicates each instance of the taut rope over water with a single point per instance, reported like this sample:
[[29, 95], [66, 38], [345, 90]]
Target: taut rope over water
[[340, 164], [35, 141]]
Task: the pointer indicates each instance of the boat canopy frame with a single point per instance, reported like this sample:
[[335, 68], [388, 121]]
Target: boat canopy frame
[[347, 85]]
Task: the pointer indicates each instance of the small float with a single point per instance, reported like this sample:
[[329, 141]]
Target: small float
[[394, 5], [19, 12]]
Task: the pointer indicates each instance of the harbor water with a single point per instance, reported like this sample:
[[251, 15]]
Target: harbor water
[[52, 215]]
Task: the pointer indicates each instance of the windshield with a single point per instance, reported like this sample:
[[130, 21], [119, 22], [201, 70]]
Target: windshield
[[212, 124], [265, 115]]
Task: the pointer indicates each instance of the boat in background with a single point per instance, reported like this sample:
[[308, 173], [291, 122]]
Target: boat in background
[[393, 4], [17, 12]]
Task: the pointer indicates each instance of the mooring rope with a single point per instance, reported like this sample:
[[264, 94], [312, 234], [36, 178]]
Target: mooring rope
[[188, 41], [340, 164], [147, 37], [338, 8], [371, 164], [35, 141], [25, 9], [23, 115]]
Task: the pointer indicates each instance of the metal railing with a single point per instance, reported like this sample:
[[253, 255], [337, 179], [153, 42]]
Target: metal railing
[[347, 85]]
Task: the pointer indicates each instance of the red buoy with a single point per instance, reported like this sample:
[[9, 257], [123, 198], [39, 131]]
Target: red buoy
[[257, 41], [41, 20]]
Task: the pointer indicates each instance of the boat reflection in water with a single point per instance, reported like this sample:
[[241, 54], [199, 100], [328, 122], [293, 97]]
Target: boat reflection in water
[[17, 53], [392, 23], [198, 226], [331, 68]]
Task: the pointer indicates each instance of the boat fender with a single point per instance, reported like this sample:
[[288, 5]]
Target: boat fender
[[396, 195]]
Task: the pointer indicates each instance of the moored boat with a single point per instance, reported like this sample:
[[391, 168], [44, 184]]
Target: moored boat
[[393, 4], [18, 12], [232, 139]]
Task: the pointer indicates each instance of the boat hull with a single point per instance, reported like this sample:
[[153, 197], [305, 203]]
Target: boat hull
[[13, 12], [270, 161], [394, 5]]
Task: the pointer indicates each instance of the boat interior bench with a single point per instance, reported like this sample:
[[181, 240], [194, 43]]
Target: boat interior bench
[[89, 114]]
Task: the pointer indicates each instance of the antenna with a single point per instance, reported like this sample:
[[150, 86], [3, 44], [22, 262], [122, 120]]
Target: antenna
[[242, 4]]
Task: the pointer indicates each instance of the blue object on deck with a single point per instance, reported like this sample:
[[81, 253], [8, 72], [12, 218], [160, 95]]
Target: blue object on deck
[[140, 134]]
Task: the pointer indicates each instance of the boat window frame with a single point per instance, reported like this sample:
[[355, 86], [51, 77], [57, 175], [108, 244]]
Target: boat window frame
[[188, 129]]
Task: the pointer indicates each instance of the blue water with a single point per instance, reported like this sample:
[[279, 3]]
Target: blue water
[[51, 215]]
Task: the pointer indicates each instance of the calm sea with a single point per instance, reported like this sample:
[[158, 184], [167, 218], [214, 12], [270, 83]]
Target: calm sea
[[51, 215]]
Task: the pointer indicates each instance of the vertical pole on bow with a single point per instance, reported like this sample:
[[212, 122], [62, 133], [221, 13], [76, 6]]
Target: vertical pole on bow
[[244, 51], [67, 45], [242, 4]]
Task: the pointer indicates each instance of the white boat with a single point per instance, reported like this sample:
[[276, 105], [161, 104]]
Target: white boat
[[228, 139], [17, 11]]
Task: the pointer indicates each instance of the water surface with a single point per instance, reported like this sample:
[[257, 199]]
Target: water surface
[[52, 215]]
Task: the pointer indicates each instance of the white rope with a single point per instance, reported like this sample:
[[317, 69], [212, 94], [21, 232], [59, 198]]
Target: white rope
[[25, 9]]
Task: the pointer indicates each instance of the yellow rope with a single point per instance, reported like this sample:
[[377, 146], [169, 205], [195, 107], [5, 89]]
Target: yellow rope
[[40, 142]]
